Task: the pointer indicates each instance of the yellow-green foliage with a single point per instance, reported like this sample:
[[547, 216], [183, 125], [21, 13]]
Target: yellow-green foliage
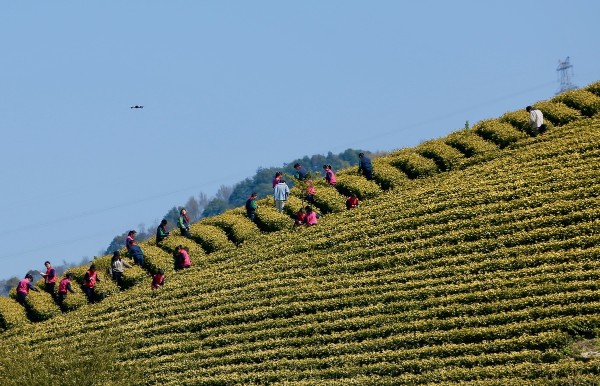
[[501, 133], [41, 306], [74, 301], [557, 113], [472, 145], [387, 175], [413, 163], [445, 157], [270, 220], [594, 88], [583, 100], [328, 199], [196, 252], [294, 203], [364, 189], [156, 258], [131, 276], [238, 227], [105, 286], [519, 119], [12, 314], [210, 237]]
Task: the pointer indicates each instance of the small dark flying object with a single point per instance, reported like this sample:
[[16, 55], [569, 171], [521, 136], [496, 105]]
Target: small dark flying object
[[136, 107]]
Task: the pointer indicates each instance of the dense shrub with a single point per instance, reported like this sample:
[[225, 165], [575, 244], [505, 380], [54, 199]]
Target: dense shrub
[[500, 133], [445, 157], [583, 100], [557, 113], [364, 189], [210, 237], [412, 163], [387, 175]]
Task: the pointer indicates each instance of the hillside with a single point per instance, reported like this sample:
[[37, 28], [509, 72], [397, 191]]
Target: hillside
[[473, 259]]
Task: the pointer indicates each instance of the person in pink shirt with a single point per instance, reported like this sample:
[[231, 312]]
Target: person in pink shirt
[[310, 191], [329, 175], [311, 216], [183, 258], [23, 288]]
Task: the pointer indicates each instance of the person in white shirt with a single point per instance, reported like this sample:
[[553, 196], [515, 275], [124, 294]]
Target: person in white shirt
[[536, 120], [281, 193]]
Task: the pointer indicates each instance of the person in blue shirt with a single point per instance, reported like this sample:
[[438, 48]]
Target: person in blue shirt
[[301, 172]]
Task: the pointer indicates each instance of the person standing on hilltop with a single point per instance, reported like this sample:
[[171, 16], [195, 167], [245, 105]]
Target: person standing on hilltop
[[301, 172], [161, 231], [49, 278], [23, 288], [130, 240], [184, 223], [251, 206], [364, 166], [281, 192], [329, 175], [536, 121]]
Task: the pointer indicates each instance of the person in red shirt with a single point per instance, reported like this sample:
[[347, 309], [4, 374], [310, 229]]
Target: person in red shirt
[[352, 202], [23, 288], [158, 279], [64, 286], [49, 278], [300, 217], [89, 282]]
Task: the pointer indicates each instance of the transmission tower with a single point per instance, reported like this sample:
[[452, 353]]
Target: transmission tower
[[564, 76]]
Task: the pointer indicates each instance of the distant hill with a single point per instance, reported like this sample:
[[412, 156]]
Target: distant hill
[[472, 259]]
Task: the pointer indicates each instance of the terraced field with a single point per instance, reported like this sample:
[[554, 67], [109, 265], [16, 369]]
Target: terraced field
[[473, 259]]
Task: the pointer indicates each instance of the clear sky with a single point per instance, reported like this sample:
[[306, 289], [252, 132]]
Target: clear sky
[[230, 86]]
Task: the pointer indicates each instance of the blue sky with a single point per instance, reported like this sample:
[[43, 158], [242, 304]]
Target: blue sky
[[230, 86]]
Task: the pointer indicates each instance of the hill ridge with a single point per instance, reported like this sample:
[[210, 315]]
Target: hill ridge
[[438, 279]]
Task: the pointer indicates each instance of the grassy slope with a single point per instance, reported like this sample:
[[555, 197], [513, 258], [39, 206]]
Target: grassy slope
[[483, 275]]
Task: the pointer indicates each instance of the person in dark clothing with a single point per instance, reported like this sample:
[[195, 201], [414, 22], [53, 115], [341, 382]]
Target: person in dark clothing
[[301, 172], [23, 288], [63, 287], [137, 255], [49, 278], [161, 231], [251, 206], [364, 166], [184, 223]]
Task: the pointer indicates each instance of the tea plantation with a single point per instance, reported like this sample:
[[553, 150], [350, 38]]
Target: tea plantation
[[472, 259]]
